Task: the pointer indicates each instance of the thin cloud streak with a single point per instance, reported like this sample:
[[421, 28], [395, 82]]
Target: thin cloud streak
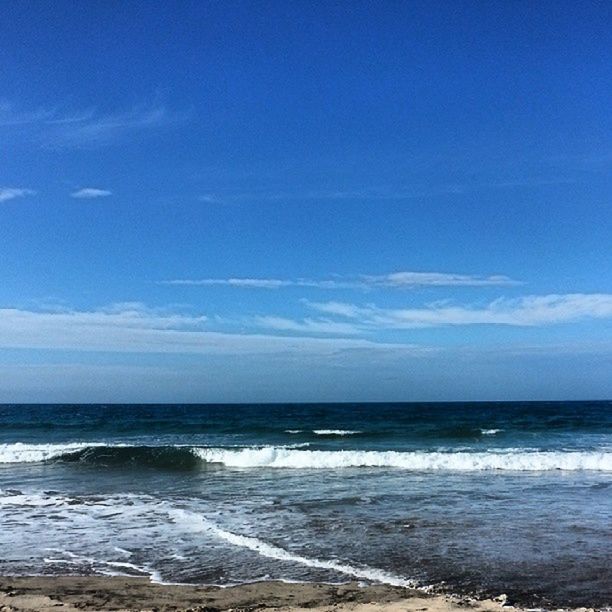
[[90, 193], [260, 283], [307, 326], [526, 311], [9, 116], [342, 195], [102, 129], [10, 193], [437, 279], [393, 280], [396, 193]]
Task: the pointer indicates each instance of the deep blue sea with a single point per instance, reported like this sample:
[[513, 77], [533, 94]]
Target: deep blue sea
[[480, 498]]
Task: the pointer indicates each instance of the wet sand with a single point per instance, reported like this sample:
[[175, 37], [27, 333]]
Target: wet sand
[[72, 593]]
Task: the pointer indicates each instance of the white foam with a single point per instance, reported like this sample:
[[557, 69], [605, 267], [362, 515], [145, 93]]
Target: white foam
[[19, 452], [197, 522], [490, 432], [325, 432], [74, 559], [292, 457], [335, 432], [30, 500], [274, 457]]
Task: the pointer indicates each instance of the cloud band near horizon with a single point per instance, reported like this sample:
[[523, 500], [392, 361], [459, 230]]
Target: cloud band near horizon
[[394, 280], [132, 327]]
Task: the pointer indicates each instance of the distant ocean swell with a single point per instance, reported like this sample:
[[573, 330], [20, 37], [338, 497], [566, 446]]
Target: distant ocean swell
[[296, 457]]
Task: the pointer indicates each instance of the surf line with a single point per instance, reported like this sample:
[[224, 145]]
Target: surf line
[[199, 523]]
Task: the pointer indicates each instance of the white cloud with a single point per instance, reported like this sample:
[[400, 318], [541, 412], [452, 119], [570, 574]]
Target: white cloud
[[528, 310], [134, 328], [89, 193], [394, 280], [10, 193], [259, 283]]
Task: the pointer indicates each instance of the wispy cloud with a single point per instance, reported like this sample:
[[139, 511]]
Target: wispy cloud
[[90, 127], [339, 195], [90, 193], [531, 310], [389, 193], [137, 329], [306, 326], [437, 279], [209, 199], [257, 283], [10, 193], [393, 280], [101, 129]]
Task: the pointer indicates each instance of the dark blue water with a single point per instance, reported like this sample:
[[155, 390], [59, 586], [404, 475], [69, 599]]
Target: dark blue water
[[468, 497]]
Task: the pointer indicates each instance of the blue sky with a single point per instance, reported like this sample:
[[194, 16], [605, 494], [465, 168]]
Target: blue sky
[[308, 201]]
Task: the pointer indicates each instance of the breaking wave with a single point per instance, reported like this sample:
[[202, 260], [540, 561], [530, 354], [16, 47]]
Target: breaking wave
[[418, 460], [194, 457], [335, 432], [325, 432], [33, 453]]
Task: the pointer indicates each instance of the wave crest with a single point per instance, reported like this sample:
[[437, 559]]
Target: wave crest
[[193, 457], [419, 461], [335, 432], [20, 452]]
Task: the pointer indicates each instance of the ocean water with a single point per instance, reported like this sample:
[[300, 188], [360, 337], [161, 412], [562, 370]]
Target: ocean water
[[479, 498]]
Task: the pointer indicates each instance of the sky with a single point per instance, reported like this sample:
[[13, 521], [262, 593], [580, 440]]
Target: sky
[[305, 201]]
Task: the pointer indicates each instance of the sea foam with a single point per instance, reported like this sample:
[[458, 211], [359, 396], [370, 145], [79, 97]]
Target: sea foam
[[325, 432], [19, 452], [456, 461], [197, 522], [296, 458], [335, 432]]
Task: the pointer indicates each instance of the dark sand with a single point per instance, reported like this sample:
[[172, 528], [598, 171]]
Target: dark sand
[[70, 593]]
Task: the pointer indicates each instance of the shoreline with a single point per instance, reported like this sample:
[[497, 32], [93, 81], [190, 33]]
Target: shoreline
[[102, 593]]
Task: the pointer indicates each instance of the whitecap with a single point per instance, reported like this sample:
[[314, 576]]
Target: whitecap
[[335, 432], [497, 459], [19, 452]]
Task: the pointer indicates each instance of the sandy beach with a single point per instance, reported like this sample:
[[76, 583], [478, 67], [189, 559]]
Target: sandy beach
[[71, 593]]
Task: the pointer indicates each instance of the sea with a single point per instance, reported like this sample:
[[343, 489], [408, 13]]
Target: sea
[[467, 498]]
